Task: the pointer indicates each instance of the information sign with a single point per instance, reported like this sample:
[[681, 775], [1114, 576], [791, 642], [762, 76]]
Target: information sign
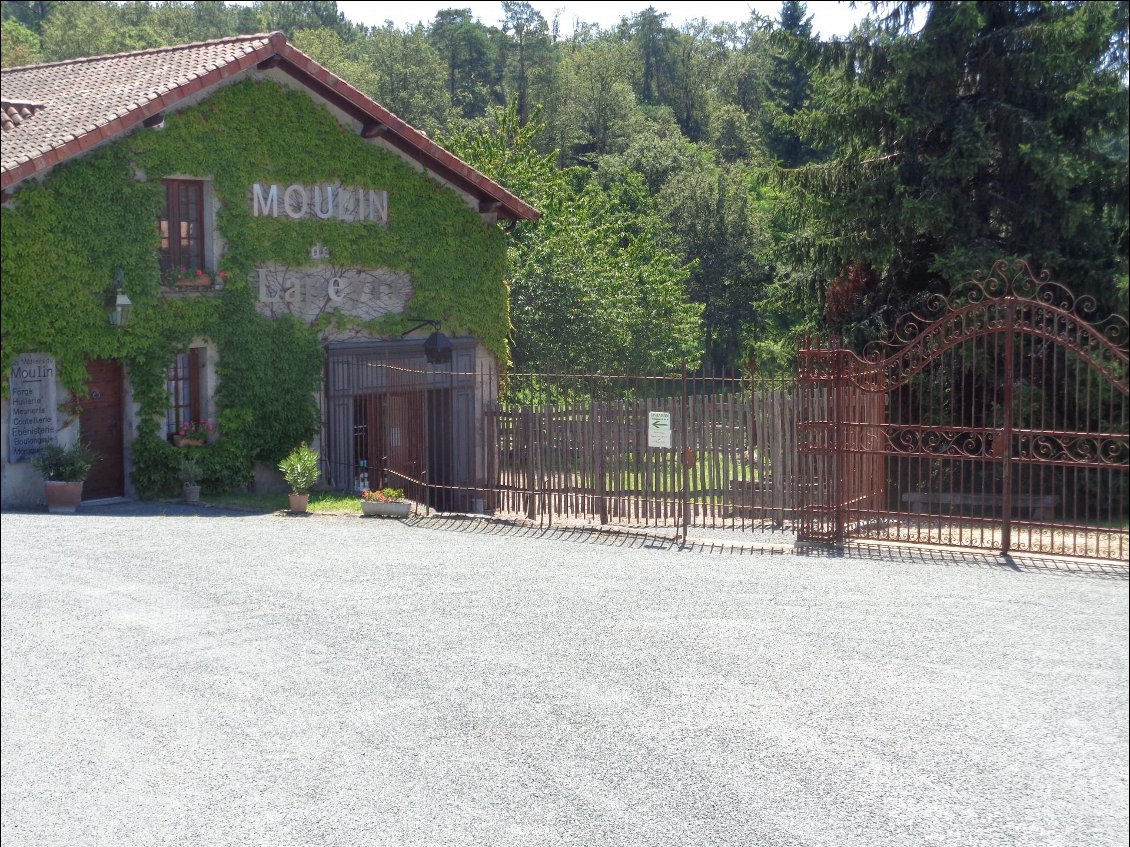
[[659, 429]]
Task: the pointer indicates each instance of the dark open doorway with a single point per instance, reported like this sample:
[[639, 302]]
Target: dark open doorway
[[440, 467]]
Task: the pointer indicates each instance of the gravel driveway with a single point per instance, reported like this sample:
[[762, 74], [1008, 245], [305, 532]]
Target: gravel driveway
[[203, 679]]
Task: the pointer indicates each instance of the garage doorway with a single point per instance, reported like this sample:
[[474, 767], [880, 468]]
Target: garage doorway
[[393, 420]]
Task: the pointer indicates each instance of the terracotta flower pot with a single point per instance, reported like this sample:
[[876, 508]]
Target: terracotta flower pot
[[299, 502], [385, 510], [62, 497], [183, 441]]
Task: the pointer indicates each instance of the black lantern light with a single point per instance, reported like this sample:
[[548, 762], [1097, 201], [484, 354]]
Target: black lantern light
[[119, 304], [437, 347]]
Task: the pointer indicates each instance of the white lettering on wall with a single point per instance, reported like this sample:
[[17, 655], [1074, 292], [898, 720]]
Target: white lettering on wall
[[309, 292], [293, 194], [378, 207], [322, 201], [328, 211], [267, 206], [270, 289]]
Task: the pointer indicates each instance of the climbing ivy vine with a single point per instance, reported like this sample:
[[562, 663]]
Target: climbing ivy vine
[[63, 240]]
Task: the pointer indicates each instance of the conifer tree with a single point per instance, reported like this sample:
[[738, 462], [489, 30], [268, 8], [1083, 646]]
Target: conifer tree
[[990, 133]]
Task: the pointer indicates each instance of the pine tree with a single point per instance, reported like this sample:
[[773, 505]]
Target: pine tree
[[788, 86], [986, 135]]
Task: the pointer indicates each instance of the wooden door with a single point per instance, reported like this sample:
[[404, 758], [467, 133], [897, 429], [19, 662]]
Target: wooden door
[[101, 427]]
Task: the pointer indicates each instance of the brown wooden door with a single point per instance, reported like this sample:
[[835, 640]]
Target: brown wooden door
[[101, 427]]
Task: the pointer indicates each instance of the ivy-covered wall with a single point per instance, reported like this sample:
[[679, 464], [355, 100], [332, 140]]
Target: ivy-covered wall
[[66, 237]]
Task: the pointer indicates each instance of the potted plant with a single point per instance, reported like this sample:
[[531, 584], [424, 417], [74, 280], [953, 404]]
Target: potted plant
[[194, 433], [385, 503], [300, 470], [64, 469], [190, 477]]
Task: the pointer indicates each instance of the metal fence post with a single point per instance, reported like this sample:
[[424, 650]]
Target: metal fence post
[[683, 458], [1006, 453], [838, 442]]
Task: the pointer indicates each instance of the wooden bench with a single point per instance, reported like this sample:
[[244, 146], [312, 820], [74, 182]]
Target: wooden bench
[[1040, 506]]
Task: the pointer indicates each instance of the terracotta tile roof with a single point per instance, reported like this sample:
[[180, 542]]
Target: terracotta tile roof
[[16, 111], [86, 101], [74, 106]]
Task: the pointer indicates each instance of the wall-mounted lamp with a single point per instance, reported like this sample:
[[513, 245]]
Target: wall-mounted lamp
[[437, 347], [119, 304]]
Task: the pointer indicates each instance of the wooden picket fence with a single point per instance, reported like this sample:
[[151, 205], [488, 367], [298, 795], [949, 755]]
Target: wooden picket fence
[[577, 449]]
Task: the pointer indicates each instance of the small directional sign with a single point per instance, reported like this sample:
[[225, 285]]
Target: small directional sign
[[659, 429]]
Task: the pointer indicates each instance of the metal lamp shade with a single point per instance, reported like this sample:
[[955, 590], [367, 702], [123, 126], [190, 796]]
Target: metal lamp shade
[[120, 311], [438, 348]]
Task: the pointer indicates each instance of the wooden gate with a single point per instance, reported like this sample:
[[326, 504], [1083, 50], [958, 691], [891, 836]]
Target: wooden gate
[[997, 418]]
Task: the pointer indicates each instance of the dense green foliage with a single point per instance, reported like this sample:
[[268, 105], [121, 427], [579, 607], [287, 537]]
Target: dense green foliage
[[988, 135], [592, 284], [786, 185], [57, 248]]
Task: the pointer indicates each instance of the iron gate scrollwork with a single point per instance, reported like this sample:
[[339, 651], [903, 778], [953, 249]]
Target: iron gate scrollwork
[[995, 418]]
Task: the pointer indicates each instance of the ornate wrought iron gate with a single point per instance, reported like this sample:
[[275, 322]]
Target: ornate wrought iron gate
[[997, 418]]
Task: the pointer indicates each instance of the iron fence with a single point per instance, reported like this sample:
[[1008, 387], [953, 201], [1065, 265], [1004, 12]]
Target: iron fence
[[566, 447], [996, 419]]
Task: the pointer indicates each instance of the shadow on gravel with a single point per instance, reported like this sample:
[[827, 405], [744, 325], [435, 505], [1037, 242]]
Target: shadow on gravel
[[146, 509], [972, 559], [633, 538], [654, 540]]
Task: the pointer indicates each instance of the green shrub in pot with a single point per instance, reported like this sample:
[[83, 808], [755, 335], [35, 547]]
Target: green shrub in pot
[[65, 464], [300, 470]]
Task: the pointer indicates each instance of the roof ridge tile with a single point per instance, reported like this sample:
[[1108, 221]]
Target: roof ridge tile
[[172, 48]]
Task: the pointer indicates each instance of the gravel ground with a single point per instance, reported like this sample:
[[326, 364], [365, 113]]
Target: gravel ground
[[180, 678]]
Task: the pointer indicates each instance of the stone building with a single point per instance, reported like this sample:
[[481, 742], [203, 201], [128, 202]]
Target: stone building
[[197, 238]]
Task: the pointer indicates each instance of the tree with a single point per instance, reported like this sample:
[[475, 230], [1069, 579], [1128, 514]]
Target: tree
[[18, 45], [983, 136], [788, 86], [468, 49], [596, 104], [398, 69], [647, 31], [529, 49], [29, 13], [712, 212], [295, 15], [93, 29], [593, 287]]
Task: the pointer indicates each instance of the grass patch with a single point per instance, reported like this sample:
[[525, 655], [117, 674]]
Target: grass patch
[[330, 502]]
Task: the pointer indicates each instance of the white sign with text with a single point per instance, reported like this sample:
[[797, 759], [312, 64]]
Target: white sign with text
[[659, 429], [33, 421]]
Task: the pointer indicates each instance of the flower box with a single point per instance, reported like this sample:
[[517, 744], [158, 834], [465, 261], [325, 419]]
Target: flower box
[[192, 279], [195, 433], [373, 508]]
